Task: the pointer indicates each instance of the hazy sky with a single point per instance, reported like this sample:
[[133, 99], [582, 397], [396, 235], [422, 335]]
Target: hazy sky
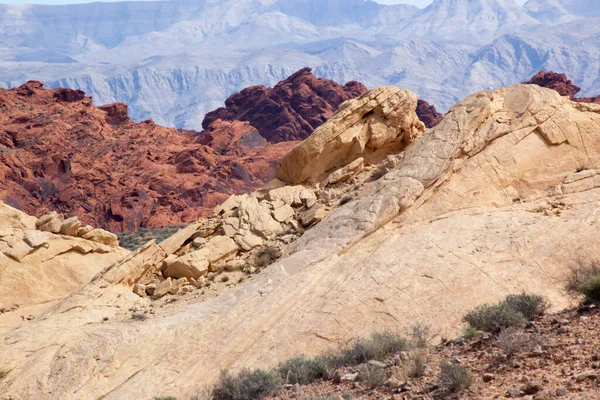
[[419, 3]]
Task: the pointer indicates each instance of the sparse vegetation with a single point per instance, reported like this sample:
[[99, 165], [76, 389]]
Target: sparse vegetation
[[455, 377], [134, 240], [266, 256], [514, 340], [470, 333], [165, 398], [247, 385], [530, 305], [513, 311], [372, 376], [420, 335], [302, 370], [494, 318], [585, 280], [418, 365], [379, 346]]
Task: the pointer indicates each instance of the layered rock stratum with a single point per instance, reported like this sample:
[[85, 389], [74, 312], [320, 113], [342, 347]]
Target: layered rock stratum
[[500, 197]]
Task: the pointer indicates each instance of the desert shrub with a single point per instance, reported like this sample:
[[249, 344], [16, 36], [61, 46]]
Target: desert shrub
[[530, 305], [585, 280], [165, 398], [247, 385], [379, 346], [417, 365], [420, 335], [470, 333], [372, 376], [454, 377], [134, 240], [303, 370], [266, 255], [494, 318], [514, 340]]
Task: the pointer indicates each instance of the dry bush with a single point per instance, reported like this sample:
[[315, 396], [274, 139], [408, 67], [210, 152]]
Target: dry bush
[[417, 366], [513, 340], [454, 377], [530, 305], [585, 280], [303, 370], [420, 335], [247, 385], [372, 376], [378, 347], [494, 318]]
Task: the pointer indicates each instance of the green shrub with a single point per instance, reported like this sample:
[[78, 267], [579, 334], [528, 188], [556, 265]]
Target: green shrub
[[378, 347], [494, 318], [302, 370], [372, 376], [454, 377], [530, 305], [247, 385], [586, 280], [470, 333], [165, 398]]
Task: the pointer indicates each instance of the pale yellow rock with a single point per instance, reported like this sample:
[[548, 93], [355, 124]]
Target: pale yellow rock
[[259, 218], [13, 218], [163, 289], [347, 171], [192, 265], [248, 240], [426, 243], [283, 213], [380, 118], [84, 230], [70, 226], [287, 194], [217, 251], [102, 236], [139, 289], [174, 243], [51, 222], [36, 239]]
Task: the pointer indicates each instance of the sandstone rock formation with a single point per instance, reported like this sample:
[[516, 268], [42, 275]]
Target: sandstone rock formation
[[380, 122], [475, 208], [58, 152], [40, 266], [289, 111], [428, 114], [563, 85]]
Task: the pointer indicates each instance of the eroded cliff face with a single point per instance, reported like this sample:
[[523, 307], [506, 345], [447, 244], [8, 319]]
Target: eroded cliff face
[[59, 152], [289, 111], [459, 215], [562, 84]]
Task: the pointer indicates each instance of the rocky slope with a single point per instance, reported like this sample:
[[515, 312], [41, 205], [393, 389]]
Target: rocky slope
[[289, 111], [60, 152], [406, 225]]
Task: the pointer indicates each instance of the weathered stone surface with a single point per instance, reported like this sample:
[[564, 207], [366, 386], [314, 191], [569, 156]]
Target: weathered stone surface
[[70, 226], [347, 171], [283, 213], [382, 117], [287, 194], [174, 242], [289, 111], [315, 214], [217, 251], [51, 222], [37, 238], [258, 217], [84, 230], [433, 238], [163, 288], [248, 240], [139, 289], [192, 265], [102, 236]]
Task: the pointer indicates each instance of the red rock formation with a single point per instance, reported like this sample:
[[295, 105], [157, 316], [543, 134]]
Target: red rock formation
[[289, 111], [428, 114], [60, 152], [562, 84]]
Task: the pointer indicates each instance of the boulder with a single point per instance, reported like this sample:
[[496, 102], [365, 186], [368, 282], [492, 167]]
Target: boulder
[[308, 197], [70, 226], [248, 240], [102, 236], [346, 172], [217, 251], [287, 194], [259, 219], [162, 289], [191, 265], [283, 213], [139, 289], [51, 222], [84, 230], [315, 214], [381, 119], [36, 239]]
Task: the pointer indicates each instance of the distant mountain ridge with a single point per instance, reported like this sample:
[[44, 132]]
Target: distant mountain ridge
[[174, 61]]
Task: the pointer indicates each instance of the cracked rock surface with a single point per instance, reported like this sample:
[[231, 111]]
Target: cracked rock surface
[[500, 197]]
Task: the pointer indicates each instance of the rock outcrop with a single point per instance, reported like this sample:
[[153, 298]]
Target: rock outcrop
[[380, 122], [44, 260], [58, 152], [471, 210], [563, 85], [289, 111], [428, 114]]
